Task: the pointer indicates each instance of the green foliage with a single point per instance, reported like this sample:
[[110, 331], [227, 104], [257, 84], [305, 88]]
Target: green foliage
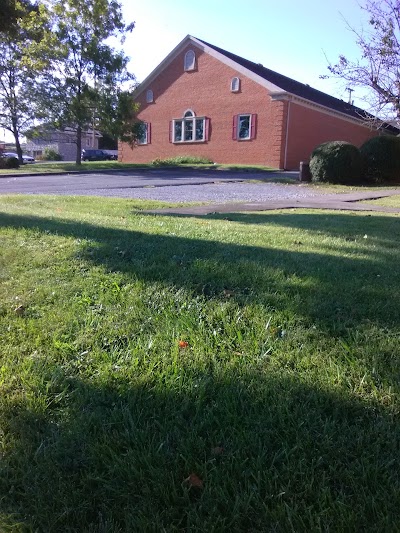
[[49, 154], [382, 158], [336, 162], [9, 162], [20, 66], [82, 84], [182, 160]]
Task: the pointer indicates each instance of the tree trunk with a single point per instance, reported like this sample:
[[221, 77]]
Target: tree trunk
[[17, 141], [78, 145]]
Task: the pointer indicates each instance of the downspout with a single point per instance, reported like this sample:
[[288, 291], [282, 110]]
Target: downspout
[[287, 136]]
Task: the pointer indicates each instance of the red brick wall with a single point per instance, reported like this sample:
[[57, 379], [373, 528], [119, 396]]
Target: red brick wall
[[206, 91], [309, 127]]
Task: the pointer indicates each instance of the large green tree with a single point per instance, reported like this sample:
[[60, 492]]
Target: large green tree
[[20, 65], [88, 77], [378, 67]]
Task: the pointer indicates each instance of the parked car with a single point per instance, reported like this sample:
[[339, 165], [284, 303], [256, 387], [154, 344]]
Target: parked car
[[25, 158], [96, 155]]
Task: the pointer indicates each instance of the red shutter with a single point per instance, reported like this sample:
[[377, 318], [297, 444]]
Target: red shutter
[[171, 124], [148, 133], [253, 127], [234, 127], [207, 129]]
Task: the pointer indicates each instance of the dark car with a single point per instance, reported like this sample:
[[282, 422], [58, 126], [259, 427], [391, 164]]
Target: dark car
[[95, 155]]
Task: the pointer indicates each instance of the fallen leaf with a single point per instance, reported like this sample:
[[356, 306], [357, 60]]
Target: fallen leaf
[[183, 344], [193, 481]]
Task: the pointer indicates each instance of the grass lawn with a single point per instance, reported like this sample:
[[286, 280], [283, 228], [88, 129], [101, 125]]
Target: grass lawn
[[219, 373], [61, 167]]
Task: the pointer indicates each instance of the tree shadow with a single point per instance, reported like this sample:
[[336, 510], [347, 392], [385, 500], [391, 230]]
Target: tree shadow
[[327, 289], [274, 453]]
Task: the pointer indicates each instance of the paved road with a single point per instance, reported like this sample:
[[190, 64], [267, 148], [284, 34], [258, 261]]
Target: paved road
[[166, 185]]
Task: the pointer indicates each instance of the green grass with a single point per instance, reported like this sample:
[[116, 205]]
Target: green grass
[[61, 167], [183, 161], [284, 402], [389, 201]]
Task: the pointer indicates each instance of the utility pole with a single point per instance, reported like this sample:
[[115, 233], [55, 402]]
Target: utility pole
[[350, 91]]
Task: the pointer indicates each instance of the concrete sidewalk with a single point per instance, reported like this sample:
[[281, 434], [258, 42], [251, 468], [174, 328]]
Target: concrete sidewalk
[[341, 202]]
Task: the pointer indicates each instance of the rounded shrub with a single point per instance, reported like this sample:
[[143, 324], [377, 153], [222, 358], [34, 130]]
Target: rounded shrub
[[50, 154], [9, 162], [382, 158], [336, 162]]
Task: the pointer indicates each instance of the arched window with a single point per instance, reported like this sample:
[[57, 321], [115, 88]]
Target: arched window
[[235, 85], [149, 96], [189, 128], [190, 60]]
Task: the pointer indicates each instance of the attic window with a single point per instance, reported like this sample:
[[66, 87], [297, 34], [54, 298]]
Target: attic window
[[235, 85], [149, 96], [190, 60]]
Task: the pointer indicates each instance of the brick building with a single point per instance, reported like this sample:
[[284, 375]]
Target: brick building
[[204, 101]]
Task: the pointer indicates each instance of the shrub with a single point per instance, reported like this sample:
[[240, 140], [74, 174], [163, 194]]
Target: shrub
[[382, 158], [49, 154], [182, 160], [336, 162], [9, 162]]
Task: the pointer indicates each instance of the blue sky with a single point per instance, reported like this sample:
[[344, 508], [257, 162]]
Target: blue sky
[[290, 37]]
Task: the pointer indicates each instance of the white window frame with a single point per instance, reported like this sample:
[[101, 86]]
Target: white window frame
[[189, 62], [149, 96], [235, 84], [188, 123], [239, 117]]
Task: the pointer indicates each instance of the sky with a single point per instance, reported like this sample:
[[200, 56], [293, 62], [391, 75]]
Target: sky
[[294, 38]]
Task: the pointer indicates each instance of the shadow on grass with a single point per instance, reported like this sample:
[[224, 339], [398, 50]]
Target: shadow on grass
[[333, 290], [274, 454]]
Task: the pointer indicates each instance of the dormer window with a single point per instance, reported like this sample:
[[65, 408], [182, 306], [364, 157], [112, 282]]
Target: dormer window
[[235, 85], [190, 60], [149, 96]]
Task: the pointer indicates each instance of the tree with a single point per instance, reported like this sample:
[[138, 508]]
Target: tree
[[379, 67], [19, 68], [83, 86]]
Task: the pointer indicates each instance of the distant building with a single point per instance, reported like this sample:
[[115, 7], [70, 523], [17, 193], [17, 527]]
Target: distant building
[[62, 141]]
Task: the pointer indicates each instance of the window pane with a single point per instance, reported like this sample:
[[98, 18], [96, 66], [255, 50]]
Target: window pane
[[188, 130], [178, 131], [189, 114], [244, 126], [199, 129], [142, 135]]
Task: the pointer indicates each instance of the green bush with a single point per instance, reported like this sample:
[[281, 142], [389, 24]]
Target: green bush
[[336, 162], [9, 162], [182, 160], [49, 154], [382, 158]]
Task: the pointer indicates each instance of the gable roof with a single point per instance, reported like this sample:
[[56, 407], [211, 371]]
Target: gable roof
[[278, 85]]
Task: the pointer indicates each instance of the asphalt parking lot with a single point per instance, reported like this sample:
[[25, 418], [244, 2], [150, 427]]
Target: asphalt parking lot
[[164, 185]]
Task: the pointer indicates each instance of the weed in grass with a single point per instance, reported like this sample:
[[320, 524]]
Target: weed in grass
[[147, 343]]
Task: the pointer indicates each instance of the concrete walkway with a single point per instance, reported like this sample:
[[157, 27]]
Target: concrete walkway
[[342, 202]]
